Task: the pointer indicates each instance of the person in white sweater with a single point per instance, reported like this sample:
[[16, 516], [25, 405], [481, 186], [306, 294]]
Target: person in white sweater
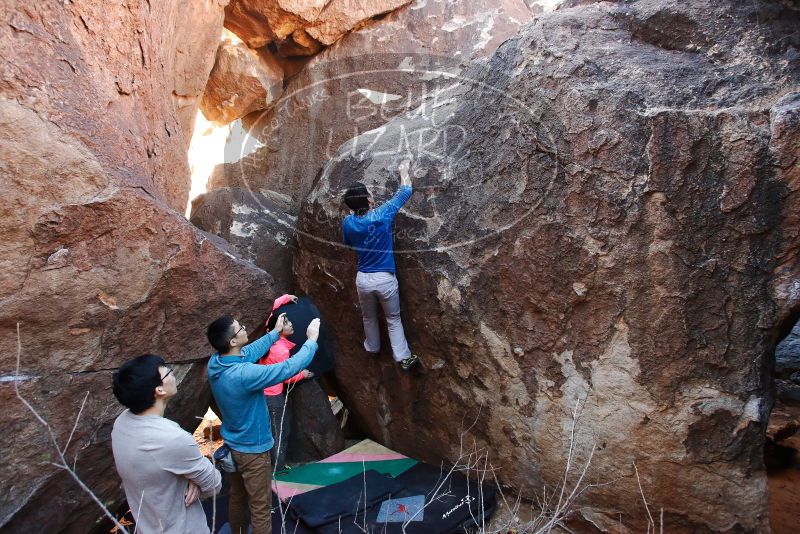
[[162, 471]]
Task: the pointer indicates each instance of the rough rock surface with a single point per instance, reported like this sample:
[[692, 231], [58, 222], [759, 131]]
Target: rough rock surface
[[339, 17], [341, 92], [782, 459], [126, 81], [257, 225], [242, 81], [261, 22], [299, 44], [315, 431], [412, 53], [609, 221], [97, 264]]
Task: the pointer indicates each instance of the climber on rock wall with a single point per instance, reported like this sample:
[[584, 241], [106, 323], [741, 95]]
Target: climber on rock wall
[[238, 382], [369, 232]]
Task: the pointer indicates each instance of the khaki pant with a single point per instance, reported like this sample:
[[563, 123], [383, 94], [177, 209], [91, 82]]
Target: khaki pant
[[381, 289], [250, 486]]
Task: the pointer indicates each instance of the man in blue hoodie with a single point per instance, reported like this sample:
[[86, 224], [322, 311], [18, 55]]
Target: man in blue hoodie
[[238, 382]]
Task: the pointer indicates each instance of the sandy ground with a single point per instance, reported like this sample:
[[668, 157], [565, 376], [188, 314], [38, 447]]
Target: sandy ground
[[208, 427]]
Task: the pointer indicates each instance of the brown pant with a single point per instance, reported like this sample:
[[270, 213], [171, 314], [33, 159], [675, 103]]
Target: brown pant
[[250, 486]]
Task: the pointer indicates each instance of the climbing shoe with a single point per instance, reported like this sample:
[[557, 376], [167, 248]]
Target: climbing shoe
[[409, 362]]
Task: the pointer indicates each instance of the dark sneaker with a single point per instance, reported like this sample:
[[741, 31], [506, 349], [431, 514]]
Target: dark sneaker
[[409, 362]]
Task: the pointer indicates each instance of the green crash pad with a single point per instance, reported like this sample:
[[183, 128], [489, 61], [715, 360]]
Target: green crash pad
[[327, 473]]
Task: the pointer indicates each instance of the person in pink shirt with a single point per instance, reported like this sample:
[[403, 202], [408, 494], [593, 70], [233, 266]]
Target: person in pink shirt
[[279, 410]]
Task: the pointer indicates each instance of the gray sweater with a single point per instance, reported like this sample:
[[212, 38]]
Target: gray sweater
[[156, 458]]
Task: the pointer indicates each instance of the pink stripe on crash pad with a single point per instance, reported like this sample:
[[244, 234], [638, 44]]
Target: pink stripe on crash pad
[[360, 457], [286, 491]]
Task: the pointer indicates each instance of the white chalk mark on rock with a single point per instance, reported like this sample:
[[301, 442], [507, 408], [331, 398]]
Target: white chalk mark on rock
[[376, 97]]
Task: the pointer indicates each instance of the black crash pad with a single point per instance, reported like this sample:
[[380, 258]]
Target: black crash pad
[[420, 503], [343, 499], [301, 314]]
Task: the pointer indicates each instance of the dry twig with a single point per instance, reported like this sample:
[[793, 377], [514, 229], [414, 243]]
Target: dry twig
[[62, 463]]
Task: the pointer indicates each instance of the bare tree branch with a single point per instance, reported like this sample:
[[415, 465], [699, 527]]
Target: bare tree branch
[[650, 523], [62, 463]]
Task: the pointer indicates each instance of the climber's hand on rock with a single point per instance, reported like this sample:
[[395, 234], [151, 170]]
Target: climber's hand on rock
[[192, 494], [405, 179], [312, 332], [308, 374]]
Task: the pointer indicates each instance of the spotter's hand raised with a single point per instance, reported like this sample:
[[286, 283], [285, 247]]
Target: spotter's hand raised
[[312, 332]]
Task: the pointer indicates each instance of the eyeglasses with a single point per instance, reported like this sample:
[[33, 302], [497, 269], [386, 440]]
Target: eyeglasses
[[166, 375], [241, 327]]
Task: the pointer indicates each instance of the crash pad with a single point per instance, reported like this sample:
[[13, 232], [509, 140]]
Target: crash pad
[[301, 314], [420, 499], [363, 456]]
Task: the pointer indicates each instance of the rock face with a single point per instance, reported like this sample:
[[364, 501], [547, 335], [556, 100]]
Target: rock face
[[302, 23], [315, 431], [241, 82], [257, 225], [412, 53], [782, 459], [605, 218], [126, 82], [97, 264]]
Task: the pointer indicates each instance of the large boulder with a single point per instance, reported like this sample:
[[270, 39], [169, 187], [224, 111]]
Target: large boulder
[[605, 221], [126, 82], [316, 433], [241, 82], [95, 274], [256, 224], [361, 82], [414, 52], [261, 22], [98, 264]]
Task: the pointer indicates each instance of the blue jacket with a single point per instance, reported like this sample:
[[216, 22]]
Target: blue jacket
[[238, 384], [371, 234]]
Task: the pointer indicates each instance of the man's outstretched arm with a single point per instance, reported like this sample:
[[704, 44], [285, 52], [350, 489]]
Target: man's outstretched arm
[[257, 377], [258, 348]]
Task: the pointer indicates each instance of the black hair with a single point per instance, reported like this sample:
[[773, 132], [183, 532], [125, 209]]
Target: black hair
[[273, 320], [135, 382], [219, 333], [357, 198]]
